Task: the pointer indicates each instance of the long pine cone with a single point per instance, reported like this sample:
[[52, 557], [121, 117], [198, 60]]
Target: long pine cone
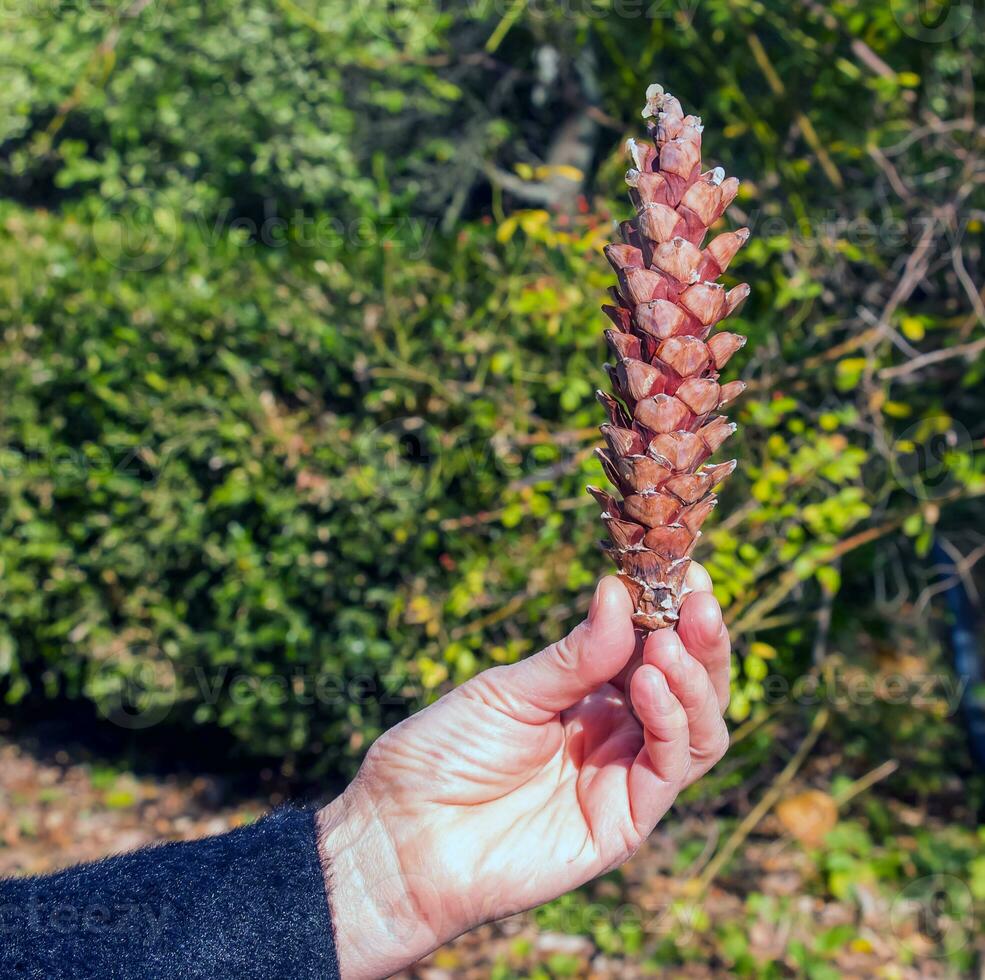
[[664, 425]]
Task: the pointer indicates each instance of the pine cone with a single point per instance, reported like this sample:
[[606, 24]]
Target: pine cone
[[663, 426]]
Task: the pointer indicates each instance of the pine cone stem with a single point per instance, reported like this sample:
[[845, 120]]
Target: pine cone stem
[[664, 423]]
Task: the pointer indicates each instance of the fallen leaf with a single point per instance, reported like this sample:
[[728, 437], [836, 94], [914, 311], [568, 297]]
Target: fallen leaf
[[808, 816]]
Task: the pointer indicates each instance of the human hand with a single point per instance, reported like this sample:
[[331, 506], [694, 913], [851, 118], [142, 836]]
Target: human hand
[[525, 782]]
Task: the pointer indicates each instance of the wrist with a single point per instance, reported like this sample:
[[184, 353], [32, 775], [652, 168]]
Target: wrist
[[380, 913]]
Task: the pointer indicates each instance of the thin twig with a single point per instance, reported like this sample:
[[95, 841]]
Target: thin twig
[[765, 804], [966, 351], [792, 577], [484, 517], [957, 259], [820, 650], [892, 174], [491, 618], [866, 782], [751, 725]]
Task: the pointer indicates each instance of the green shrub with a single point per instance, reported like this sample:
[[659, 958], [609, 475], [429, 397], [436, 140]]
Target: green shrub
[[299, 387]]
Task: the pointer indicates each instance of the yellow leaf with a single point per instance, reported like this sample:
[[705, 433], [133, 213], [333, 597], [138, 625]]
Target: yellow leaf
[[447, 959], [432, 674], [562, 170], [913, 328], [533, 220], [507, 229], [762, 650], [897, 410], [851, 365], [419, 610], [738, 709]]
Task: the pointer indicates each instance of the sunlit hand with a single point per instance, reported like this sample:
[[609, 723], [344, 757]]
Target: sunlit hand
[[525, 782]]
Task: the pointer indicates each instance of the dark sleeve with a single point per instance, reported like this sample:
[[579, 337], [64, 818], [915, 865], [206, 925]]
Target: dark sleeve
[[248, 904]]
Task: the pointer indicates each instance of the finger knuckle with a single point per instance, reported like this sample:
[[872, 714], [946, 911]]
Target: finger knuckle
[[489, 687], [674, 732], [566, 651], [674, 726], [722, 742], [711, 752], [675, 770], [684, 769], [694, 687], [376, 751]]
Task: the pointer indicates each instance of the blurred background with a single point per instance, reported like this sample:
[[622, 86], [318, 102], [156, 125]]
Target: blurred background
[[299, 337]]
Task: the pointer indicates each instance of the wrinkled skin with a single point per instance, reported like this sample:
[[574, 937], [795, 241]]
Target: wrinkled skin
[[525, 782]]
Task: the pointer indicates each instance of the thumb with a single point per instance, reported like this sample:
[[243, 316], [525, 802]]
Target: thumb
[[536, 689]]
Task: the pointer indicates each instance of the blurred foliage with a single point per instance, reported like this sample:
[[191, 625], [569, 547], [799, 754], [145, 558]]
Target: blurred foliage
[[300, 336]]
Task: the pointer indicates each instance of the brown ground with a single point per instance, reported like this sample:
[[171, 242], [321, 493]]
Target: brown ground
[[57, 809]]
